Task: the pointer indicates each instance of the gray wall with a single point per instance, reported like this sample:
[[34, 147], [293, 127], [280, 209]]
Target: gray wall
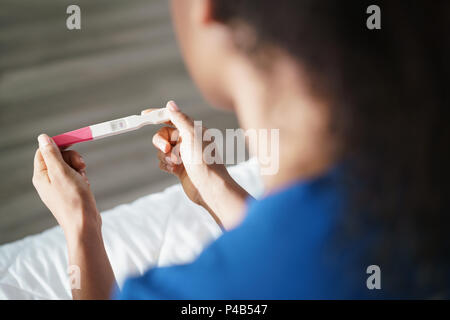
[[53, 80]]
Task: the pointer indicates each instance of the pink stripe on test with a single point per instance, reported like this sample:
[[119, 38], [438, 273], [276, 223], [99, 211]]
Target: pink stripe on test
[[72, 137]]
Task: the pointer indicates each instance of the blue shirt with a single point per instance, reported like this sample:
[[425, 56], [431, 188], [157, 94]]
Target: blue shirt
[[286, 248]]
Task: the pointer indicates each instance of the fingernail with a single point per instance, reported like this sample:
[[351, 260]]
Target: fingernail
[[44, 140], [172, 106], [82, 160], [163, 147]]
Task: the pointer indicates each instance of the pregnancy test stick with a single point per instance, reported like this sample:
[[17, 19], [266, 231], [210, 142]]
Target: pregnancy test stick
[[111, 128]]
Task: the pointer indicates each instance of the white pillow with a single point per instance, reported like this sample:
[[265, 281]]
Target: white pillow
[[159, 229]]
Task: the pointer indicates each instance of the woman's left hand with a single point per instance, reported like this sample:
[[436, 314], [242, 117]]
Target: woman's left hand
[[60, 180]]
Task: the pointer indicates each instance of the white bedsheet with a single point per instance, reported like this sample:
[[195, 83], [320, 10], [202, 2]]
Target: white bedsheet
[[159, 229]]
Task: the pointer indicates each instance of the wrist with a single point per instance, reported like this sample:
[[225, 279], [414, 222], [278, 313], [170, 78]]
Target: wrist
[[218, 180], [82, 242], [224, 185], [88, 229], [226, 200]]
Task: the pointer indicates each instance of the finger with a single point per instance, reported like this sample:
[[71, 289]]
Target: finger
[[84, 175], [168, 158], [148, 110], [74, 160], [40, 169], [63, 148], [179, 119], [51, 154], [162, 157], [165, 167], [154, 109], [178, 170], [162, 139], [175, 155]]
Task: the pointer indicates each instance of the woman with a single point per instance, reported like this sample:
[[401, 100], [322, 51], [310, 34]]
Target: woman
[[359, 195]]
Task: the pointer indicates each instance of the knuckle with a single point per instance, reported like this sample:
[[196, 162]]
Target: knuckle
[[73, 154], [184, 119], [76, 154], [34, 180], [162, 132]]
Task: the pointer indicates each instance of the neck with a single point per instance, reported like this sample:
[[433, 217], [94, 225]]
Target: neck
[[278, 99]]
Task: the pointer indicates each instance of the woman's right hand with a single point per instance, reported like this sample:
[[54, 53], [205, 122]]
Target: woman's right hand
[[208, 185], [167, 143]]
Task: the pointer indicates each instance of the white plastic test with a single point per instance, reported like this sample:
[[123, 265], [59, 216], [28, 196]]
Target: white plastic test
[[112, 128]]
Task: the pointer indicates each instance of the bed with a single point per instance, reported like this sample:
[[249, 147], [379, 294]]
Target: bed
[[160, 229]]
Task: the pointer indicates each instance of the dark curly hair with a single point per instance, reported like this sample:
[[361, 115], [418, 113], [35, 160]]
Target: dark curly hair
[[387, 91]]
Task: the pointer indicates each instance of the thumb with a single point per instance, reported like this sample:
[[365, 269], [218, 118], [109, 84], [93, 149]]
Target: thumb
[[182, 122], [51, 154]]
